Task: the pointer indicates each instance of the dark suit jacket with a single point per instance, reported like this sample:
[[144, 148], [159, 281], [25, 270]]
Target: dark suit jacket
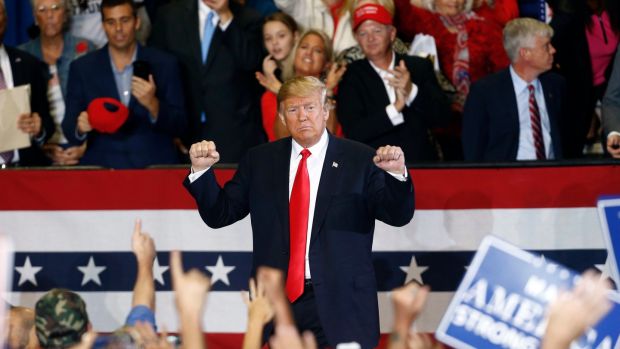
[[491, 117], [139, 142], [362, 99], [26, 69], [349, 199], [225, 88]]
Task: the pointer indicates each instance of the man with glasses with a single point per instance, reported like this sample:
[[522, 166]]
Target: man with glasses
[[313, 199], [389, 98]]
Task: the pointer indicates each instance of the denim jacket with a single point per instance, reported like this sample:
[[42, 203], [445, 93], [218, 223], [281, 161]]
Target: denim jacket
[[73, 48]]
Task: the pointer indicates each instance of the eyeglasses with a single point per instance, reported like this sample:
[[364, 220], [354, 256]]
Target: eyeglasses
[[53, 8]]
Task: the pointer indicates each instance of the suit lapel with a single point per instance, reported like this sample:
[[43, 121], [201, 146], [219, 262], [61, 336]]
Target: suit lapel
[[215, 42], [133, 102], [281, 164], [375, 83], [512, 107], [192, 30], [552, 113], [17, 69], [330, 179], [104, 73]]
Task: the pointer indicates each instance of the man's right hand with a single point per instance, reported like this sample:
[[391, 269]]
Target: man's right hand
[[83, 124], [613, 145], [203, 155]]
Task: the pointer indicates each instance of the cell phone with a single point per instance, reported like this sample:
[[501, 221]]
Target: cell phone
[[142, 69]]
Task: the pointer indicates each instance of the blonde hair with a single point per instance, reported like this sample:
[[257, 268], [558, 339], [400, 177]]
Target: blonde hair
[[302, 86], [288, 72], [522, 32]]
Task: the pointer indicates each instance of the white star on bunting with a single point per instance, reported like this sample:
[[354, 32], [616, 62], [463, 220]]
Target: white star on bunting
[[27, 272], [158, 271], [219, 272], [91, 272], [413, 271]]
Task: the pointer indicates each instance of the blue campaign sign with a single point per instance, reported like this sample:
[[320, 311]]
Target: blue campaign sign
[[502, 301], [609, 215]]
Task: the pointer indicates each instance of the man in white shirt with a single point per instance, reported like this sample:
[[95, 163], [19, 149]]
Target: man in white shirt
[[389, 98], [515, 113], [313, 199]]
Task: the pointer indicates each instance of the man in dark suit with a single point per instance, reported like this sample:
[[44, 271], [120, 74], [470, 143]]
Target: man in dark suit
[[19, 68], [322, 237], [611, 111], [515, 113], [156, 110], [220, 47], [389, 98]]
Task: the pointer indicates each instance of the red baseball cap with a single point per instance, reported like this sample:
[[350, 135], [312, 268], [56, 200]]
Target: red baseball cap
[[107, 115], [375, 12]]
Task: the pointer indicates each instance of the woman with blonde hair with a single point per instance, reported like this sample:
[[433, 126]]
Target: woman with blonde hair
[[313, 56]]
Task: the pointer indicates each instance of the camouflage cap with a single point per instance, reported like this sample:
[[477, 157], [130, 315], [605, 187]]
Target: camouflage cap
[[60, 318]]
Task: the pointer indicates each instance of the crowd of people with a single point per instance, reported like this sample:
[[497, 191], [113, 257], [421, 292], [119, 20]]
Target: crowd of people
[[131, 84], [110, 87], [60, 318]]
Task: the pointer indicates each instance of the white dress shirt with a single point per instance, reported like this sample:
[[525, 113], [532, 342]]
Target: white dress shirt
[[314, 164], [527, 150], [395, 116], [203, 12]]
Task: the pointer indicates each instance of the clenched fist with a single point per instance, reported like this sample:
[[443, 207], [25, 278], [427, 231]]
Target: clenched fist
[[203, 155], [391, 159]]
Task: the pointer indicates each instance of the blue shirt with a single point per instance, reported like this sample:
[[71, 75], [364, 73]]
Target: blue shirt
[[123, 78]]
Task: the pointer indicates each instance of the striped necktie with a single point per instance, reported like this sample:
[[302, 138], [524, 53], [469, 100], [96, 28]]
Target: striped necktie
[[539, 143]]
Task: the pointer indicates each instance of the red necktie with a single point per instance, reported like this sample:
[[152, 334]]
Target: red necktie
[[539, 144], [298, 216]]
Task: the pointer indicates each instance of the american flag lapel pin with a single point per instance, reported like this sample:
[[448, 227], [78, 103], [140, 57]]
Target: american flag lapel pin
[[335, 164]]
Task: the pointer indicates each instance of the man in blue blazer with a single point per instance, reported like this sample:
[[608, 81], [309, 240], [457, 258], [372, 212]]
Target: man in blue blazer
[[156, 108], [515, 114], [350, 185]]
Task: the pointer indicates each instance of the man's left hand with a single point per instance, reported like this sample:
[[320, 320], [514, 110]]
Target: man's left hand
[[144, 91], [402, 79], [30, 124], [391, 159]]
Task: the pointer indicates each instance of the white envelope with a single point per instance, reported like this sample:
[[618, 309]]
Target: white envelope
[[13, 103]]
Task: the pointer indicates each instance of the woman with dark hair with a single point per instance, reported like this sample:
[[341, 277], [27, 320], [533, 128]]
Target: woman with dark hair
[[587, 33], [57, 48]]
